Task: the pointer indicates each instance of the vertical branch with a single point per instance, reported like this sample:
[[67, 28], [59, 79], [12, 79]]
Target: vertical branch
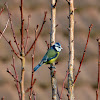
[[52, 41], [30, 97], [71, 49], [22, 24], [97, 91], [22, 55], [27, 33]]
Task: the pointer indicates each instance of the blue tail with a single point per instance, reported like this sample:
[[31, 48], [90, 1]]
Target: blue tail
[[38, 66]]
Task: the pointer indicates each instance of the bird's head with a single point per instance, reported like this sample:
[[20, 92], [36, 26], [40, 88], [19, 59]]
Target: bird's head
[[57, 47]]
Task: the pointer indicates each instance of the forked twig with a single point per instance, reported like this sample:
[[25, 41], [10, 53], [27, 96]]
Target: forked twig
[[90, 27], [11, 74], [9, 42], [17, 82], [15, 77], [38, 34], [31, 86]]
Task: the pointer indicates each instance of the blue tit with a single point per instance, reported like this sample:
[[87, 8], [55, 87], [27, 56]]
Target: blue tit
[[51, 55]]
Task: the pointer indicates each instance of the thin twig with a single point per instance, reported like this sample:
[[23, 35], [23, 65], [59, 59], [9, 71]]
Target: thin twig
[[33, 65], [31, 86], [12, 74], [9, 42], [63, 84], [48, 45], [4, 28], [90, 27], [9, 15], [1, 10], [34, 94], [97, 91], [27, 33], [58, 92], [22, 27], [17, 82], [38, 34]]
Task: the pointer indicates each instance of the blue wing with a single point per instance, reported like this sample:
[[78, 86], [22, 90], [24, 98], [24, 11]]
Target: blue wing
[[38, 66], [49, 57]]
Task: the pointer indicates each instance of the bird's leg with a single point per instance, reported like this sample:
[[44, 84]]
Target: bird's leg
[[51, 67]]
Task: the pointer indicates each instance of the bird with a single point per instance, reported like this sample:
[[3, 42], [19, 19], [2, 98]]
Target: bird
[[50, 56]]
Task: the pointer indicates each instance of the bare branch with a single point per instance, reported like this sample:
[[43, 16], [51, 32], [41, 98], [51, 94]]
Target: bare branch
[[31, 86], [30, 97], [97, 91], [11, 74], [4, 28], [22, 27], [9, 42], [1, 10], [9, 15], [90, 27], [48, 45], [38, 34], [27, 32], [63, 84], [34, 94], [17, 82]]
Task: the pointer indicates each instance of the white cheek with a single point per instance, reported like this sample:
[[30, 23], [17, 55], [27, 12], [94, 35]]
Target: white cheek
[[58, 49]]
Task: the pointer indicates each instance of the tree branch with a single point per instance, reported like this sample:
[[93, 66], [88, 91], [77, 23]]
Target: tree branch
[[55, 4], [48, 45], [27, 33], [63, 84], [32, 82], [9, 15], [2, 9], [37, 35], [4, 28], [16, 75], [90, 27], [31, 86], [97, 91], [9, 42]]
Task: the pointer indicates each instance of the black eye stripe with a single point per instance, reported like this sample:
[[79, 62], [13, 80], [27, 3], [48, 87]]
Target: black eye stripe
[[58, 46]]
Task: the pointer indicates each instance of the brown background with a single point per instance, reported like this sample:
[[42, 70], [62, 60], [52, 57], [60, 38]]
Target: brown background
[[87, 12]]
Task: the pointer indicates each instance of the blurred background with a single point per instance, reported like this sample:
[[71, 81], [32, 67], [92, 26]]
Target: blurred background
[[87, 12]]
